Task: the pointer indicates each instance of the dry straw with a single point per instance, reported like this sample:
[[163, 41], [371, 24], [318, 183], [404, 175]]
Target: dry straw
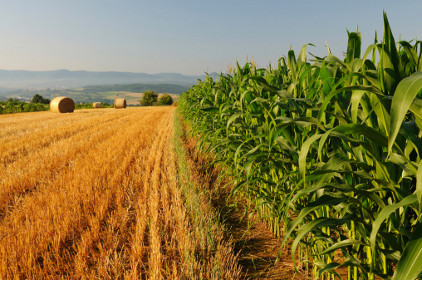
[[120, 103], [96, 105], [62, 105]]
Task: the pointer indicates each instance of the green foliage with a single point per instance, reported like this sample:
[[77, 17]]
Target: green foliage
[[409, 266], [328, 153], [16, 106], [165, 99], [149, 98], [39, 99]]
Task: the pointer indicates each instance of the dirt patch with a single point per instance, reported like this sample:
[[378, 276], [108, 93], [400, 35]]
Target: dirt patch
[[254, 243]]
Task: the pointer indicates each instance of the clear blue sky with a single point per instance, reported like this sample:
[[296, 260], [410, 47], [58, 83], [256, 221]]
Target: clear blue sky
[[185, 36]]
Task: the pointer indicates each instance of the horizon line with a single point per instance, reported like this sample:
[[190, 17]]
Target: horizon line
[[103, 71]]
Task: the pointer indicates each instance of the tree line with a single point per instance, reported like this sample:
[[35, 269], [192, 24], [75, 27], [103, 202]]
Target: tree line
[[150, 98], [39, 103]]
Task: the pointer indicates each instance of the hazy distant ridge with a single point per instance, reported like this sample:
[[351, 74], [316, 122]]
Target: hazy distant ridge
[[69, 79]]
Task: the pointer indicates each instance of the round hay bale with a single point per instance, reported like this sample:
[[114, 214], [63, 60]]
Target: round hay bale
[[120, 103], [62, 105], [96, 105]]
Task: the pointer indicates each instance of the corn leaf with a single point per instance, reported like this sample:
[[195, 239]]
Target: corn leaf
[[403, 98], [409, 266], [384, 214]]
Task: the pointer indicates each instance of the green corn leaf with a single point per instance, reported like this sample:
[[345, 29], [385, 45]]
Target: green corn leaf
[[284, 94], [304, 152], [285, 144], [335, 59], [384, 214], [382, 115], [324, 138], [406, 165], [332, 94], [317, 223], [355, 100], [324, 200], [328, 267], [410, 52], [327, 79], [389, 41], [410, 263], [369, 50], [291, 59], [364, 130], [339, 245], [365, 88], [389, 59], [239, 149], [301, 58], [210, 109], [403, 97], [351, 261], [416, 108], [418, 190], [353, 46], [232, 118]]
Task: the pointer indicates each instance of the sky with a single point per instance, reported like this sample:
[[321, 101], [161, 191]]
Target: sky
[[186, 36]]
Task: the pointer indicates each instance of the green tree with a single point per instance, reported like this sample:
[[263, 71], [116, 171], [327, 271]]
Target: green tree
[[149, 98], [13, 101], [39, 99], [165, 99]]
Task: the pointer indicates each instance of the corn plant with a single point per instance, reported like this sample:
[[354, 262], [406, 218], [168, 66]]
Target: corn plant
[[328, 152]]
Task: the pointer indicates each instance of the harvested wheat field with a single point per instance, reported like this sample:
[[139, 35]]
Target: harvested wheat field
[[98, 194]]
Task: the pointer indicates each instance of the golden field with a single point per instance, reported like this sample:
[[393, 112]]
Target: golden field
[[97, 194]]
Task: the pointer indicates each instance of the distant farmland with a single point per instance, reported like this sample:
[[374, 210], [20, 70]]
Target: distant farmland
[[101, 93]]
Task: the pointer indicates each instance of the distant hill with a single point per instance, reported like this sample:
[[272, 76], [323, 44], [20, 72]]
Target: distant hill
[[137, 88], [72, 79]]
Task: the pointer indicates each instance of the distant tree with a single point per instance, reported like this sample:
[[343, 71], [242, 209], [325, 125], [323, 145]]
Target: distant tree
[[13, 101], [149, 98], [39, 99], [165, 99]]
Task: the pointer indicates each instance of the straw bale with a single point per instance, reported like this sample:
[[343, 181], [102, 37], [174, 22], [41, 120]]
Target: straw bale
[[96, 105], [120, 103], [62, 105]]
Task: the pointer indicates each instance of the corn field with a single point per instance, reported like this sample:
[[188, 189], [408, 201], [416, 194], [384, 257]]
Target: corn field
[[328, 151]]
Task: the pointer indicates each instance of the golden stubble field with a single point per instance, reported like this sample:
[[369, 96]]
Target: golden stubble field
[[95, 195]]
